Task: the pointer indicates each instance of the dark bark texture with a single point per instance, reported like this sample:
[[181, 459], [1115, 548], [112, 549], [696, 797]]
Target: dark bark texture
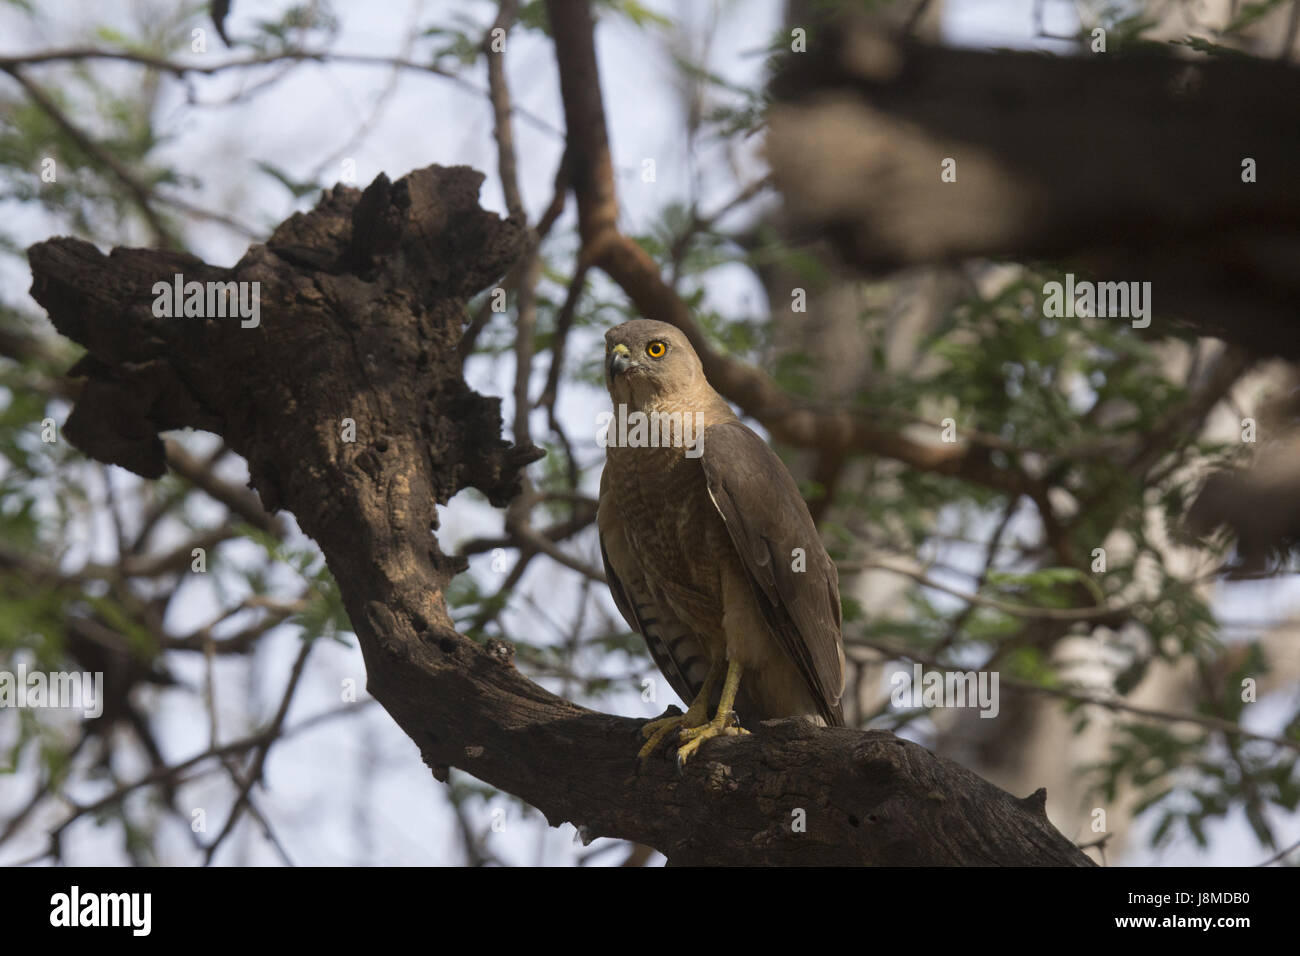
[[362, 305]]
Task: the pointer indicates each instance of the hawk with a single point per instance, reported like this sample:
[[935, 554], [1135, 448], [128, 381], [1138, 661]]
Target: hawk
[[710, 551]]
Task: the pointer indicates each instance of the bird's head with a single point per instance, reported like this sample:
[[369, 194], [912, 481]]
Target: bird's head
[[647, 362]]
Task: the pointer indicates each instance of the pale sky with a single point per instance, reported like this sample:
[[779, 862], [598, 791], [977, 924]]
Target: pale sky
[[356, 791]]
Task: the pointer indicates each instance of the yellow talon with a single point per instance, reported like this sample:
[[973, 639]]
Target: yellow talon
[[694, 727], [722, 720], [696, 714], [723, 725], [657, 730]]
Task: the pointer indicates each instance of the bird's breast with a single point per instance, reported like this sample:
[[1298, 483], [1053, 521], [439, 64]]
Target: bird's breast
[[671, 521]]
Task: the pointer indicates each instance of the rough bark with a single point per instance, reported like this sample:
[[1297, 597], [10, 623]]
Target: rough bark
[[362, 303]]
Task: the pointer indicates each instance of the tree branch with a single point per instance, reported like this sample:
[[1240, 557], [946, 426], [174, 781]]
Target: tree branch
[[863, 122], [361, 305], [591, 169]]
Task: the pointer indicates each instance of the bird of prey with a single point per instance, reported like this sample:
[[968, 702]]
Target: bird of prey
[[710, 551]]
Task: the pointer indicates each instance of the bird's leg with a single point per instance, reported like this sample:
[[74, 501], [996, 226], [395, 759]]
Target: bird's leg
[[723, 723], [696, 714]]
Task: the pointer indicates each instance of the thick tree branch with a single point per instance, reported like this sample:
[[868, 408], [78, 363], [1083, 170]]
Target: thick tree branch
[[1163, 169], [362, 302]]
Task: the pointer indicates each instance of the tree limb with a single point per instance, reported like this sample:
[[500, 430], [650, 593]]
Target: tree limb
[[864, 121], [362, 301]]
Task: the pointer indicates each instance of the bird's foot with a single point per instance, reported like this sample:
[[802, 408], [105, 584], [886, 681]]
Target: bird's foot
[[656, 731], [723, 725]]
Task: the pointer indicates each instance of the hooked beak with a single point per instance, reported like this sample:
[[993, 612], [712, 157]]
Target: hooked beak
[[620, 360]]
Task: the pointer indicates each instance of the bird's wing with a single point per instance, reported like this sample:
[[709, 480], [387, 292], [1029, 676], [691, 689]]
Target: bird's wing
[[767, 519], [663, 631]]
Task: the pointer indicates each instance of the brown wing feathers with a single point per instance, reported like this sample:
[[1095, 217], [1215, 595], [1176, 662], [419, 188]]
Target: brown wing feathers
[[767, 519]]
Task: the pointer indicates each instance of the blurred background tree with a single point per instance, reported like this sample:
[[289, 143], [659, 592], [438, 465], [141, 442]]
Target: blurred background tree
[[236, 727]]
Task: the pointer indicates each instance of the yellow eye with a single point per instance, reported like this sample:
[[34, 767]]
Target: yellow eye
[[656, 349]]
